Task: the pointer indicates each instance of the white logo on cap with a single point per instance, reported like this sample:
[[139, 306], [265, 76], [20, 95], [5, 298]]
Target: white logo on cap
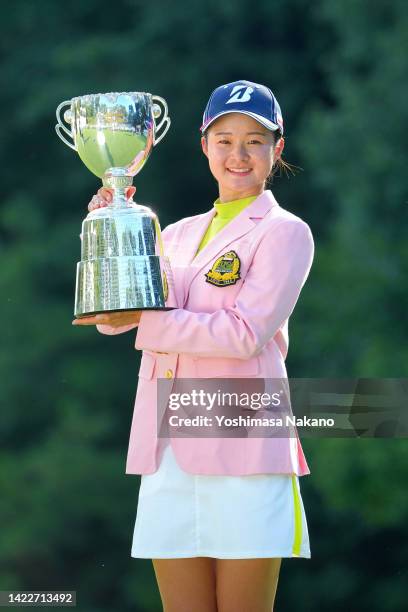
[[240, 93]]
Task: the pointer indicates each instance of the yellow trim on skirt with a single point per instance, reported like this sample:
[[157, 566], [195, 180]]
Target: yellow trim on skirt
[[298, 518]]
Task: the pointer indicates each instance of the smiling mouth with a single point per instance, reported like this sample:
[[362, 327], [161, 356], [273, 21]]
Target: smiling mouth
[[239, 171]]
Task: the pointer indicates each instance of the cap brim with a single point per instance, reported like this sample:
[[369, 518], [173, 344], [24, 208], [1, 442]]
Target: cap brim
[[265, 122]]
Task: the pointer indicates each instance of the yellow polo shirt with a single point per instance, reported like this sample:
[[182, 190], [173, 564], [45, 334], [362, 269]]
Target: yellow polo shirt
[[226, 211]]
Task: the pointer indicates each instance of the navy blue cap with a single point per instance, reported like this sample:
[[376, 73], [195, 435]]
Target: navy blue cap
[[245, 97]]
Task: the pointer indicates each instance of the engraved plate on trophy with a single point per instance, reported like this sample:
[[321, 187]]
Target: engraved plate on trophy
[[123, 266]]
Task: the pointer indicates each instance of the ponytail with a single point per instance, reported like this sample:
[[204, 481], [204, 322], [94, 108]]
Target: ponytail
[[280, 164]]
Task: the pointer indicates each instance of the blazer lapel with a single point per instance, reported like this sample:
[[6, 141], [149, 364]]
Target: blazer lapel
[[191, 237], [239, 226], [193, 233]]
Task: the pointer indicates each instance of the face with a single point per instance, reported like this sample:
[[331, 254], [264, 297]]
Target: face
[[241, 154]]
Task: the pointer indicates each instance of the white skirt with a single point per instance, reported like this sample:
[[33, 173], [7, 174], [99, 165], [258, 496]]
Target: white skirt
[[226, 517]]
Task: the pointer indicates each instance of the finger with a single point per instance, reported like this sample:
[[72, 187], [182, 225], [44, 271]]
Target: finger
[[130, 192], [85, 321], [103, 318], [94, 203], [105, 194]]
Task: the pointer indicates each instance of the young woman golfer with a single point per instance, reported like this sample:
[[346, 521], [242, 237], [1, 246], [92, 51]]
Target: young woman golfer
[[217, 515]]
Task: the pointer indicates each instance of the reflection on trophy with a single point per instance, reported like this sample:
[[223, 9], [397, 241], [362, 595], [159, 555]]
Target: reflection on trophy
[[123, 266]]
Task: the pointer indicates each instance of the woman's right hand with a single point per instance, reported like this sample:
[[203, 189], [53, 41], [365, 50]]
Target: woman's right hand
[[104, 196]]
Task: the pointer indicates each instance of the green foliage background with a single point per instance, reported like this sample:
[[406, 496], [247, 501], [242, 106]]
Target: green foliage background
[[339, 70]]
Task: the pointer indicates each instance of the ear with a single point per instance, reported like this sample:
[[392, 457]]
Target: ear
[[280, 145], [204, 146]]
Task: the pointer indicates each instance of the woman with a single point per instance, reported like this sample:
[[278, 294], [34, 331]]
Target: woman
[[216, 515]]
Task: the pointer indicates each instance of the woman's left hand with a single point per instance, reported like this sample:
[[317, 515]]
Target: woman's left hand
[[114, 319]]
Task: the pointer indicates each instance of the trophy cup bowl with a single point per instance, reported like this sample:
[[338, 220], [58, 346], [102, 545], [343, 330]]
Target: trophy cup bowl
[[123, 265]]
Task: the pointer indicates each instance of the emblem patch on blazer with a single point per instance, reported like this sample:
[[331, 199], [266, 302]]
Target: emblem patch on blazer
[[225, 270]]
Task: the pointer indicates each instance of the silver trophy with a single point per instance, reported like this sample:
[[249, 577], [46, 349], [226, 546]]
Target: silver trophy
[[123, 266]]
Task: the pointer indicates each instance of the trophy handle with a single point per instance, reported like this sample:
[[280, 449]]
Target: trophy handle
[[60, 126], [164, 120]]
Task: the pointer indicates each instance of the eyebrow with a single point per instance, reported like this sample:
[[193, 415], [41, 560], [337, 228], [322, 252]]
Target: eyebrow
[[248, 133]]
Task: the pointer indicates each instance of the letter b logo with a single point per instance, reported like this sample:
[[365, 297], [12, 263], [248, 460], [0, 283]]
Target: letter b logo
[[240, 93]]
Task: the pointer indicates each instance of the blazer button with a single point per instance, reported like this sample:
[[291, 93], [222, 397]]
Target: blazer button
[[169, 373]]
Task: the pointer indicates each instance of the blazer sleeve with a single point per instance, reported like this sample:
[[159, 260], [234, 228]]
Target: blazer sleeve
[[272, 285]]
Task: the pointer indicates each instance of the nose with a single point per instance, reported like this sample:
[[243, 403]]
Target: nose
[[240, 152]]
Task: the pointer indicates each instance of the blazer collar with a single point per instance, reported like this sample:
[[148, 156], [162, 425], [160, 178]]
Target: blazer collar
[[239, 226]]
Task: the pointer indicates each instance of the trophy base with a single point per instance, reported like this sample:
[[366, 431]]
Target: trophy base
[[113, 284], [96, 312]]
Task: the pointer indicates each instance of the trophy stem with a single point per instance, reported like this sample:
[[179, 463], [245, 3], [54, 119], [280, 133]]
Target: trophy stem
[[119, 197], [119, 183]]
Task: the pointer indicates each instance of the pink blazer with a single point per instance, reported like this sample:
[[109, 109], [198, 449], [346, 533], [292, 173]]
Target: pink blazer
[[237, 330]]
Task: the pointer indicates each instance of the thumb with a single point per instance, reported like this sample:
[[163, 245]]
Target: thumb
[[130, 192], [106, 193]]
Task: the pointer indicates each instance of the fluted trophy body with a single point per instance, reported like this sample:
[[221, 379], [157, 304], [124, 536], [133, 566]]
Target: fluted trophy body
[[123, 266]]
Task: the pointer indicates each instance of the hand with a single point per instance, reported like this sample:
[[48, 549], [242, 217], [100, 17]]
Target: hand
[[114, 319], [105, 195]]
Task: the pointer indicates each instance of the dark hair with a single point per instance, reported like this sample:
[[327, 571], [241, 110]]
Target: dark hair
[[280, 164]]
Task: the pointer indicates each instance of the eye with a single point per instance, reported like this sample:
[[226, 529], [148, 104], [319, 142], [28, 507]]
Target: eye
[[255, 142], [224, 141]]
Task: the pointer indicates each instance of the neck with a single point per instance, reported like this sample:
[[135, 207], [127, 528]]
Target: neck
[[227, 195]]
